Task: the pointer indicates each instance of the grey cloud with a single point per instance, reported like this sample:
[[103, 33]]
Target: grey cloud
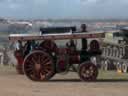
[[64, 8]]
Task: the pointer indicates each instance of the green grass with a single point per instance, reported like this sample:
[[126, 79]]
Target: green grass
[[112, 75]]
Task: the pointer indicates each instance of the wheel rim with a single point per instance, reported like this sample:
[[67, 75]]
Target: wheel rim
[[38, 66], [88, 72]]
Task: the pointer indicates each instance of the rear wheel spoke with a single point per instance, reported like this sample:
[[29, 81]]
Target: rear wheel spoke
[[39, 66]]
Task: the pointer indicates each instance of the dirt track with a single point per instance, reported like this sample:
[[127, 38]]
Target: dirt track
[[12, 84]]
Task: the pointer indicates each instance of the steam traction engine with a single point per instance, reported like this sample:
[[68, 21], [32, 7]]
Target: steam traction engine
[[42, 57]]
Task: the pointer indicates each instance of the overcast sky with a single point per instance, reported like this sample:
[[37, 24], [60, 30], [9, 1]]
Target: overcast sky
[[39, 9]]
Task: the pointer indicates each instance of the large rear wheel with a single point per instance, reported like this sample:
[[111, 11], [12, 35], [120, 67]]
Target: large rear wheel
[[38, 66]]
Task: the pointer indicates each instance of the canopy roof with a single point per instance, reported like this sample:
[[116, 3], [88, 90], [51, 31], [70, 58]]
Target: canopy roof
[[60, 36]]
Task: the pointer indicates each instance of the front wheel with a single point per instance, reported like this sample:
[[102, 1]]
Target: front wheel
[[88, 71]]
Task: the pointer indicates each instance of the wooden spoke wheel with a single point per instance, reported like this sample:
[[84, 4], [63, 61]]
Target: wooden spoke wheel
[[88, 71], [38, 66], [49, 46]]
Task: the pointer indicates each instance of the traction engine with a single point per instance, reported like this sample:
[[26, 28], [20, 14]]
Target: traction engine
[[41, 61]]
